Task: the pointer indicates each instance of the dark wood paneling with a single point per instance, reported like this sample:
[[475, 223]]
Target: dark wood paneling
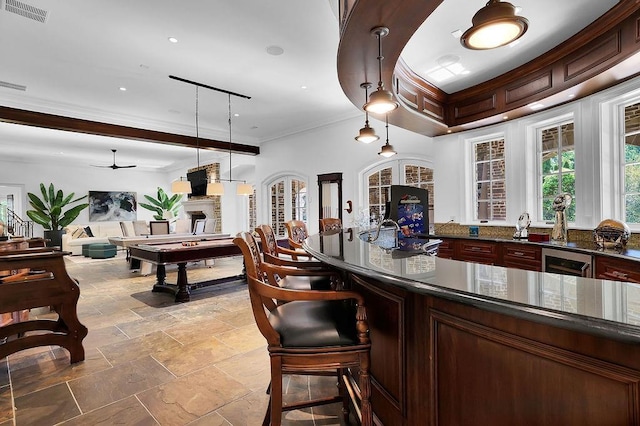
[[385, 314], [615, 35], [483, 373], [527, 89], [597, 53], [57, 122]]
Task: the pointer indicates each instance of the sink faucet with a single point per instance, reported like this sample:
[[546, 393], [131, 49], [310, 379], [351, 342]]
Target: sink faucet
[[380, 225]]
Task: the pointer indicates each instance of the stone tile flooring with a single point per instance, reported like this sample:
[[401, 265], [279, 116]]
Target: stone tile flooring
[[150, 361]]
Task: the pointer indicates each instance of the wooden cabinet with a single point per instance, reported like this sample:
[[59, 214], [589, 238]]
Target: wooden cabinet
[[522, 256], [477, 251], [612, 268], [445, 249]]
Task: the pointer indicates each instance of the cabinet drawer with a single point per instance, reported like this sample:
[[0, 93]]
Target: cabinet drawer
[[610, 268], [477, 251], [445, 249], [522, 257]]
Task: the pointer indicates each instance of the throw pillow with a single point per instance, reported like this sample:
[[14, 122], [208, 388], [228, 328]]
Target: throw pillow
[[78, 233], [88, 231]]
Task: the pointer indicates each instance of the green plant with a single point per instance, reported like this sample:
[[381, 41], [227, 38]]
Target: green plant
[[49, 212], [163, 204]]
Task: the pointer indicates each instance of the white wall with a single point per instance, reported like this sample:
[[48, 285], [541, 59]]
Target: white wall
[[452, 178], [80, 180], [331, 148]]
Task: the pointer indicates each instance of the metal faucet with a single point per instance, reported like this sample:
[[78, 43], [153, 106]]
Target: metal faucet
[[395, 234]]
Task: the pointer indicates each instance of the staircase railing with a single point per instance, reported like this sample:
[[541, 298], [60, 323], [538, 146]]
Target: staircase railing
[[17, 226]]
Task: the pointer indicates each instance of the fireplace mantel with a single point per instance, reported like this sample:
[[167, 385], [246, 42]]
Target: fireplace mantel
[[205, 206]]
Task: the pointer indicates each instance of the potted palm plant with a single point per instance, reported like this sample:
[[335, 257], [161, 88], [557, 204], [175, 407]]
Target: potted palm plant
[[53, 211], [165, 207]]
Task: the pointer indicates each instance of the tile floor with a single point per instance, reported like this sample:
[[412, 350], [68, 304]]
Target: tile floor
[[150, 361]]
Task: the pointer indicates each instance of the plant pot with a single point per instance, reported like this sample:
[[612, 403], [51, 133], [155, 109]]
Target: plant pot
[[54, 238]]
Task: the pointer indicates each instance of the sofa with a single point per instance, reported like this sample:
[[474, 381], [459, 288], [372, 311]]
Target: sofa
[[99, 232]]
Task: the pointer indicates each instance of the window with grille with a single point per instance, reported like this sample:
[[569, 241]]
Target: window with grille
[[489, 180], [557, 172], [631, 164]]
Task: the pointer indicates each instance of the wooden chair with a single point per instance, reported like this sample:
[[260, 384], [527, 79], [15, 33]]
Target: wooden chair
[[311, 333], [297, 231], [272, 251], [159, 227], [330, 224], [293, 275]]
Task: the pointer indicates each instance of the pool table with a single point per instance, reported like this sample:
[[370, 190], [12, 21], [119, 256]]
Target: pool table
[[180, 253]]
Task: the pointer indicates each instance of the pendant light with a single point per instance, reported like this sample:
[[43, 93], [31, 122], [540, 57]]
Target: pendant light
[[181, 186], [387, 149], [381, 101], [495, 25], [242, 188], [367, 134]]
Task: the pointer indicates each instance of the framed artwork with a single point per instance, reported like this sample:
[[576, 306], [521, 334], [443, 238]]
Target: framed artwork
[[107, 206]]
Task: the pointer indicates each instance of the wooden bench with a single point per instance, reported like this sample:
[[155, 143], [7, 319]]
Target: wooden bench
[[39, 279]]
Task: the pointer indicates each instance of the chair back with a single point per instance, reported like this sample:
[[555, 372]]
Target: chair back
[[125, 230], [251, 254], [268, 239], [183, 226], [330, 224], [210, 226], [297, 231], [198, 226], [140, 227], [159, 227]]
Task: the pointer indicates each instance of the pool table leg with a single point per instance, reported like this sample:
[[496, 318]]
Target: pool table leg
[[183, 287]]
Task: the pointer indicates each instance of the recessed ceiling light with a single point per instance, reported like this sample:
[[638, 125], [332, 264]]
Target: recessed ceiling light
[[173, 39], [236, 115], [123, 89], [303, 87], [505, 117], [535, 105], [275, 50], [449, 131], [572, 96]]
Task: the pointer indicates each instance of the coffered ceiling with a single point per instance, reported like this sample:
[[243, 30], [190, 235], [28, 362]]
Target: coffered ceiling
[[76, 58]]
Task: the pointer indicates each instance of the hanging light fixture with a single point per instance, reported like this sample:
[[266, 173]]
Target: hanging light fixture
[[242, 188], [181, 186], [387, 149], [367, 134], [495, 25], [381, 101]]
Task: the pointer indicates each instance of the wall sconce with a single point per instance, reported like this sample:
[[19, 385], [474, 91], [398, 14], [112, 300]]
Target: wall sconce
[[381, 101], [367, 134], [495, 25]]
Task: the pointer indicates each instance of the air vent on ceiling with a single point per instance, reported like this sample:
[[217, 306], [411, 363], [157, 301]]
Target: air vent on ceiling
[[26, 10], [13, 86]]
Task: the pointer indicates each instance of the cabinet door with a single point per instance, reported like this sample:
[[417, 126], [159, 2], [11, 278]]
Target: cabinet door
[[445, 249], [611, 268]]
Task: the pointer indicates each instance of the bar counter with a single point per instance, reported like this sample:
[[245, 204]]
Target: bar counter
[[464, 343]]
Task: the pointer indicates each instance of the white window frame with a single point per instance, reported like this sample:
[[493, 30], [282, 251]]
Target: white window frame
[[612, 154], [471, 208], [538, 170], [288, 201]]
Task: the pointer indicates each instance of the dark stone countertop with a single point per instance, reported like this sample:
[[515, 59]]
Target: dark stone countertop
[[595, 306]]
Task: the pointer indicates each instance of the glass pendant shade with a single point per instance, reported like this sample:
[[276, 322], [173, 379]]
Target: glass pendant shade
[[181, 186], [493, 26], [380, 102], [244, 189], [215, 188], [387, 150], [367, 135]]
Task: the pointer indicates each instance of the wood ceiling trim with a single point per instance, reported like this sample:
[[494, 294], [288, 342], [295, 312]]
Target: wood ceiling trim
[[57, 122], [582, 62]]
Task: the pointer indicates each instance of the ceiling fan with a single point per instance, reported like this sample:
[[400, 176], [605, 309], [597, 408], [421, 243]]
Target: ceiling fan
[[114, 166]]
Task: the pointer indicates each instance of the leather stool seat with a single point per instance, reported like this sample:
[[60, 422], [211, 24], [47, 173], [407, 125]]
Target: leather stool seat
[[317, 323]]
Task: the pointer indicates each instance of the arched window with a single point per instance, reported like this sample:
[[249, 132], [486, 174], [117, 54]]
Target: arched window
[[287, 201], [378, 180]]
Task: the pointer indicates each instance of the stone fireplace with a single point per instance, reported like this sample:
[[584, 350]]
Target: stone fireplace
[[198, 208]]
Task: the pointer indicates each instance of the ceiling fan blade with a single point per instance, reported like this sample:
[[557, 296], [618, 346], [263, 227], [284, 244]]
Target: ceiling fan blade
[[114, 166]]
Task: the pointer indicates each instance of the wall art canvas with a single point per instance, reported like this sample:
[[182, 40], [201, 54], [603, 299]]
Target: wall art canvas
[[112, 206]]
